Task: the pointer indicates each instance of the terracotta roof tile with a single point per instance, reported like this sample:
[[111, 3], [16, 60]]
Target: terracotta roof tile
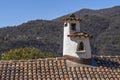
[[81, 35], [56, 69], [71, 18]]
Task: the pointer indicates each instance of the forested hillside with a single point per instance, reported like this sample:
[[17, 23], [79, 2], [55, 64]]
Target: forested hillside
[[42, 34], [103, 24]]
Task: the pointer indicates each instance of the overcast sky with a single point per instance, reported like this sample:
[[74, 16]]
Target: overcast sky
[[15, 12]]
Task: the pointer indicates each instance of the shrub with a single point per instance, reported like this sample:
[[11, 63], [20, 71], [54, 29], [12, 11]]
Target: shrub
[[25, 53]]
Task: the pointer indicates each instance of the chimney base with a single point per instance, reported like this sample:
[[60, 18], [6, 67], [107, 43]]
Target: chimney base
[[78, 60]]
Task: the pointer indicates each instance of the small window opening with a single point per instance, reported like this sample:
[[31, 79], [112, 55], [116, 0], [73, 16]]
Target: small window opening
[[65, 24], [81, 46], [73, 26]]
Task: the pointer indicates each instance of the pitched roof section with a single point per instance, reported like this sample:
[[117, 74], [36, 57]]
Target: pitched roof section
[[71, 18], [80, 35], [108, 61], [33, 69], [56, 69]]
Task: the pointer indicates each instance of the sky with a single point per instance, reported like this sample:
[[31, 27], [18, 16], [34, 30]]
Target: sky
[[16, 12]]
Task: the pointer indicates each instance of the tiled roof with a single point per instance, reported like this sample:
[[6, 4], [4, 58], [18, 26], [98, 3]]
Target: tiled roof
[[46, 69], [108, 61], [80, 34], [71, 18], [57, 69]]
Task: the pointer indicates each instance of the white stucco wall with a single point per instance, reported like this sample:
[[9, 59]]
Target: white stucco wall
[[70, 48], [70, 44]]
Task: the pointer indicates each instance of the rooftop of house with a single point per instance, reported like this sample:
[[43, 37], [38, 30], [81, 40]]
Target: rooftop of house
[[102, 68]]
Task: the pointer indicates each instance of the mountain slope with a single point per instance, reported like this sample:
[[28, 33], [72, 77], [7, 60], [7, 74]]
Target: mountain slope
[[104, 25], [42, 34], [48, 35]]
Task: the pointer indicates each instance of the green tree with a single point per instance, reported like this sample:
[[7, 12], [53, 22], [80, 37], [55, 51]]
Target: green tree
[[25, 53]]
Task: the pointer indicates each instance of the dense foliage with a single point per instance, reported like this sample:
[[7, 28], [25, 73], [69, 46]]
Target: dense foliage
[[25, 53]]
